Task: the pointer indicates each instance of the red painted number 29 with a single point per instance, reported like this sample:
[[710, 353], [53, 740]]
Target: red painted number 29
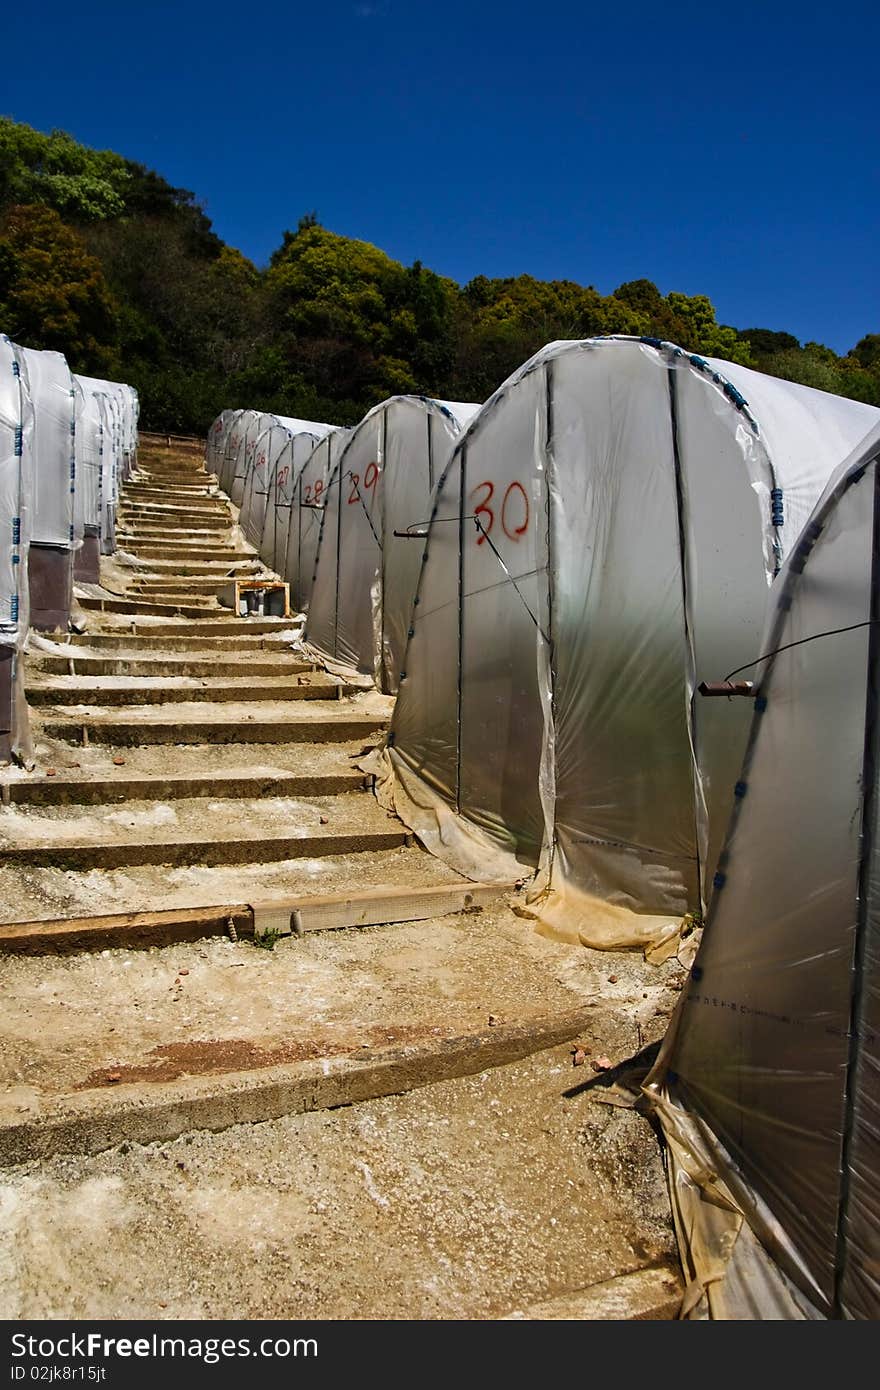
[[371, 477]]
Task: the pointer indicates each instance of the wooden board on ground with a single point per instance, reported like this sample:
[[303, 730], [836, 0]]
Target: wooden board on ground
[[137, 930], [371, 908]]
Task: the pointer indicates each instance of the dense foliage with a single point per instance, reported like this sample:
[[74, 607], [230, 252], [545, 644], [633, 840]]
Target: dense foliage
[[102, 259]]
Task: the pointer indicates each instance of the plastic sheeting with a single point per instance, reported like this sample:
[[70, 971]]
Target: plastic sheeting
[[216, 441], [248, 428], [16, 494], [296, 561], [603, 540], [89, 450], [367, 570], [119, 446], [279, 456], [16, 510], [227, 450], [51, 390], [774, 1054]]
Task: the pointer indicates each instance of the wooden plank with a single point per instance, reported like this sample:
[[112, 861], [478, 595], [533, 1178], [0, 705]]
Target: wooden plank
[[131, 930], [373, 907], [136, 930]]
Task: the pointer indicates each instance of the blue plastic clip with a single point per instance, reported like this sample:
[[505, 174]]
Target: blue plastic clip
[[777, 514], [740, 789]]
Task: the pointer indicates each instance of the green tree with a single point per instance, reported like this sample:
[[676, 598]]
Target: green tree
[[702, 334], [53, 293], [56, 170]]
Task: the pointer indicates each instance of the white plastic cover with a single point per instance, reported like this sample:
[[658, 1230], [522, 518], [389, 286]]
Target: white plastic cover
[[296, 562], [279, 456], [367, 567], [775, 1049], [90, 414], [216, 440], [604, 539], [16, 494], [231, 442], [120, 410], [250, 427], [50, 385]]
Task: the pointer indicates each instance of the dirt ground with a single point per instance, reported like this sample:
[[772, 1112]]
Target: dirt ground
[[473, 1198]]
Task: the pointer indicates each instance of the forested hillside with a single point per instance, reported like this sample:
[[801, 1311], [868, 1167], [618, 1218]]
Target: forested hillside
[[103, 260]]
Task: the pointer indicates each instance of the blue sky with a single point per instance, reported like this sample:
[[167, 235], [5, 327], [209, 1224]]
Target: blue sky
[[725, 150]]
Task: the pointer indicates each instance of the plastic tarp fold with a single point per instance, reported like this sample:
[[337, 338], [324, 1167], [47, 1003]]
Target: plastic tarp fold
[[603, 540], [368, 565], [775, 1049], [50, 385]]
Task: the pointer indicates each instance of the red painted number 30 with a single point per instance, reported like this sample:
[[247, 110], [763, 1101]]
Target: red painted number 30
[[514, 511]]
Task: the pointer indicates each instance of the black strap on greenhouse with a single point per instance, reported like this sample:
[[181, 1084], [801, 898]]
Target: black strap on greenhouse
[[550, 468], [858, 977], [462, 485], [410, 535], [802, 642], [354, 479]]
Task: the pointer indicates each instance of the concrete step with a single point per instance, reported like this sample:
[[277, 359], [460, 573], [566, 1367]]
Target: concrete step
[[157, 514], [135, 606], [74, 789], [179, 833], [178, 528], [163, 500], [142, 537], [194, 539], [185, 502], [151, 627], [190, 554], [67, 765], [155, 492], [197, 569], [136, 664], [303, 722], [141, 526], [194, 587], [174, 507], [144, 642], [105, 691], [199, 586]]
